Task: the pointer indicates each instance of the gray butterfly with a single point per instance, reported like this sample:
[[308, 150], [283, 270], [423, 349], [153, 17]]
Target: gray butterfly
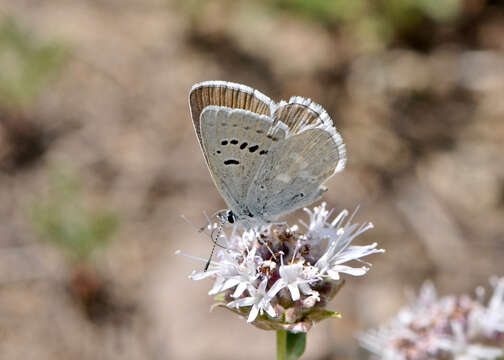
[[266, 159]]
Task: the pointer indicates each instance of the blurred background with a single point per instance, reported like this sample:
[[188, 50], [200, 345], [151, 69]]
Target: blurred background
[[98, 160]]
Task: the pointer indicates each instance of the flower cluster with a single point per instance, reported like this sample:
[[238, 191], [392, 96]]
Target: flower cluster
[[281, 278], [450, 327]]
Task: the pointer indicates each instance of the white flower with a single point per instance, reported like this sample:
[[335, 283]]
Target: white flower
[[250, 268], [331, 262], [459, 346], [452, 327], [490, 320], [295, 277], [229, 272], [221, 270], [259, 299], [244, 276], [339, 237], [480, 352]]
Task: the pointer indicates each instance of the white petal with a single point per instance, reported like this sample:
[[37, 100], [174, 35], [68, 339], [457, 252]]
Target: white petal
[[242, 302], [253, 313], [350, 270], [306, 289], [484, 352], [294, 291], [356, 252], [291, 272], [230, 283], [333, 274], [202, 274], [240, 289], [216, 288], [262, 286], [271, 311], [277, 286]]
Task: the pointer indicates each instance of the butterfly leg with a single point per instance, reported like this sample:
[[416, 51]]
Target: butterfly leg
[[218, 232], [262, 242]]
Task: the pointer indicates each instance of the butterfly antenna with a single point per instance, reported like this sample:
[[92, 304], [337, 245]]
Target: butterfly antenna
[[209, 220], [201, 229], [215, 243], [210, 235], [189, 222]]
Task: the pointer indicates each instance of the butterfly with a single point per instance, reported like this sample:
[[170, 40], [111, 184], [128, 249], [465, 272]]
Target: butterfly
[[266, 159]]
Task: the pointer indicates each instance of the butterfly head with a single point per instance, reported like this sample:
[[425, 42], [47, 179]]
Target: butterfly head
[[227, 217]]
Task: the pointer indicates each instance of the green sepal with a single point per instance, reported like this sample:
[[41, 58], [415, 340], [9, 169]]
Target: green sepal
[[321, 314]]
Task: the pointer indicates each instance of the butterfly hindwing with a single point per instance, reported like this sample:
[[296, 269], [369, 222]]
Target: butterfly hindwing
[[236, 142], [292, 174], [301, 114]]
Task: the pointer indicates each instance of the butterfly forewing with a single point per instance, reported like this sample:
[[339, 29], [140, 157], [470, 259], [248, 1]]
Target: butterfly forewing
[[223, 93], [236, 142]]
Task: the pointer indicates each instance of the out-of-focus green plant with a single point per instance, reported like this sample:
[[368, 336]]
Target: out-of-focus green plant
[[375, 20], [26, 65], [192, 8], [63, 220], [327, 11]]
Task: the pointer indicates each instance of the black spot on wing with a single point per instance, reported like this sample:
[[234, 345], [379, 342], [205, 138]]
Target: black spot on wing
[[243, 145], [224, 142], [253, 148], [234, 142], [231, 162], [263, 152], [298, 196]]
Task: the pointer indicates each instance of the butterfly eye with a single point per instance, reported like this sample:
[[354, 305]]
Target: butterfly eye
[[230, 217]]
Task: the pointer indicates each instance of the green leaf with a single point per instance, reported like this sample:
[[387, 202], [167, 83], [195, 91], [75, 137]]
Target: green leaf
[[290, 346], [296, 344]]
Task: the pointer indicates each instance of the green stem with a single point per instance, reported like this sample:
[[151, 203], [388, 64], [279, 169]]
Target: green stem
[[281, 345]]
